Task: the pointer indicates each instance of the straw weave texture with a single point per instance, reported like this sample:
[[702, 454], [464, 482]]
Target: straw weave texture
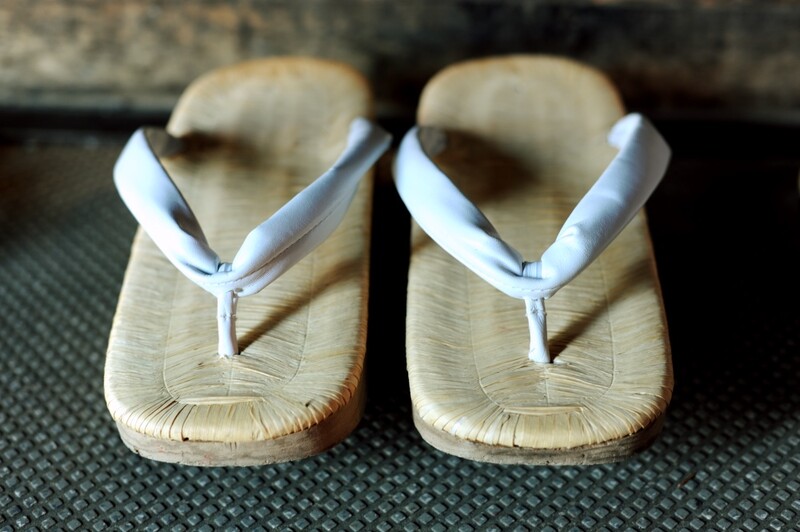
[[302, 339], [525, 141]]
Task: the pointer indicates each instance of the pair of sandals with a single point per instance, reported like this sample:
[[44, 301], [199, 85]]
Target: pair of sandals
[[280, 376]]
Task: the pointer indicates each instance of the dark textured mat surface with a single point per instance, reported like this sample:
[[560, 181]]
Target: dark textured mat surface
[[726, 237]]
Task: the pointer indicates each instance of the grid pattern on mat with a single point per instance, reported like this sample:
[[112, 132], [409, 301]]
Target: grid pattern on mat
[[729, 456]]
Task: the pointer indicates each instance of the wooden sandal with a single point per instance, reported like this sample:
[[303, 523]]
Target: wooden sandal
[[184, 385], [524, 138]]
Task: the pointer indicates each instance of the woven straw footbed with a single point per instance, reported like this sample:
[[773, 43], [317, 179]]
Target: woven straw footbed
[[256, 134], [525, 141]]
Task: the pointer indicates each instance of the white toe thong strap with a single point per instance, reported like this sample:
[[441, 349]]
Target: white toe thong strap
[[270, 249], [462, 230]]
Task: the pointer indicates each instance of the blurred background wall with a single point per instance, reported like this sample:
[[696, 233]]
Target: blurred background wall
[[738, 59]]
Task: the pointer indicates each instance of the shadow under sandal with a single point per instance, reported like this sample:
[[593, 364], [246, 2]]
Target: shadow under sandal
[[496, 375], [277, 376]]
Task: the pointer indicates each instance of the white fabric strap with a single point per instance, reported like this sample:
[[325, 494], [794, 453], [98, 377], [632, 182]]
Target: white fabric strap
[[271, 248], [462, 230]]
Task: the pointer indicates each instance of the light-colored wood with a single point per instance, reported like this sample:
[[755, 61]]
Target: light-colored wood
[[252, 136], [526, 138], [96, 56]]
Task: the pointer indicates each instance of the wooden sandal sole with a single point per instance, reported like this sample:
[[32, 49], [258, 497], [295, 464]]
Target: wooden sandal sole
[[525, 139], [251, 137]]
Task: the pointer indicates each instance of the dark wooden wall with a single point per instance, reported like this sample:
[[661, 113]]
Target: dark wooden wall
[[738, 58]]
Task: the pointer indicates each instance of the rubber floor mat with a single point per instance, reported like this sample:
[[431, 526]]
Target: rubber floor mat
[[729, 456]]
